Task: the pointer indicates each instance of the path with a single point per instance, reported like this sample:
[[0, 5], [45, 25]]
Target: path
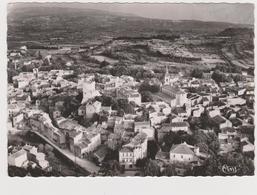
[[83, 163]]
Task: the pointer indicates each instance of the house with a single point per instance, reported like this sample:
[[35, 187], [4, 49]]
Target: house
[[92, 108], [114, 141], [40, 159], [213, 112], [236, 101], [74, 138], [197, 111], [247, 146], [195, 83], [175, 118], [18, 158], [240, 91], [87, 143], [181, 112], [194, 99], [118, 128], [179, 126], [145, 127], [126, 156], [157, 118], [227, 135], [134, 150], [226, 139], [221, 122], [17, 118], [107, 109], [183, 153]]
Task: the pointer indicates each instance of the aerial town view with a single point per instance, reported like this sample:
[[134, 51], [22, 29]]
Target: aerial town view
[[94, 92]]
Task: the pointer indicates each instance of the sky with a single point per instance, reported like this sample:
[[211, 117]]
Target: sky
[[242, 13]]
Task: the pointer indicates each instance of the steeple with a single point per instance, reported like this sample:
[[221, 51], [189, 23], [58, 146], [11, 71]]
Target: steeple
[[167, 71], [166, 77]]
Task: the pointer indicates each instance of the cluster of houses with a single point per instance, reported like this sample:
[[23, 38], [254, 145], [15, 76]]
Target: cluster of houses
[[180, 100], [27, 156]]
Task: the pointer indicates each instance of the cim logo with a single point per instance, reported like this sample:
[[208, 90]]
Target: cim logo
[[229, 169]]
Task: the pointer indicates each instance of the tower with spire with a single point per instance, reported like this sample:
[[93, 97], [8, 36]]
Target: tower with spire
[[167, 77]]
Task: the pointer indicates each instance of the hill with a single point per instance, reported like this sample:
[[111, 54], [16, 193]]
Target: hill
[[72, 25]]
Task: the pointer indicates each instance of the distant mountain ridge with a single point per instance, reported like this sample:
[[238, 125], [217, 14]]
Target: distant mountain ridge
[[31, 22], [236, 32]]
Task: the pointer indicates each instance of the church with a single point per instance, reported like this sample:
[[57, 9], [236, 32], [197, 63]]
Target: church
[[170, 79], [178, 98]]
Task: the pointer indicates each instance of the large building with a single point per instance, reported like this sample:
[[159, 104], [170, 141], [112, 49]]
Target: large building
[[136, 149], [89, 91], [178, 98], [182, 153]]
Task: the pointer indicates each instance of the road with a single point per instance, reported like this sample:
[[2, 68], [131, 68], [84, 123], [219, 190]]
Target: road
[[83, 163]]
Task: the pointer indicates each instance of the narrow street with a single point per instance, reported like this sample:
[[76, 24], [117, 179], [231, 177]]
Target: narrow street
[[83, 163]]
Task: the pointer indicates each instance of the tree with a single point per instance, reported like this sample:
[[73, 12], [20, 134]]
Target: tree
[[203, 147], [218, 77], [103, 116], [127, 107], [197, 73], [146, 96], [169, 140], [152, 148], [213, 142], [243, 165], [169, 170], [119, 70], [152, 168], [16, 171], [141, 162], [44, 105], [212, 166], [238, 77], [200, 137], [145, 86]]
